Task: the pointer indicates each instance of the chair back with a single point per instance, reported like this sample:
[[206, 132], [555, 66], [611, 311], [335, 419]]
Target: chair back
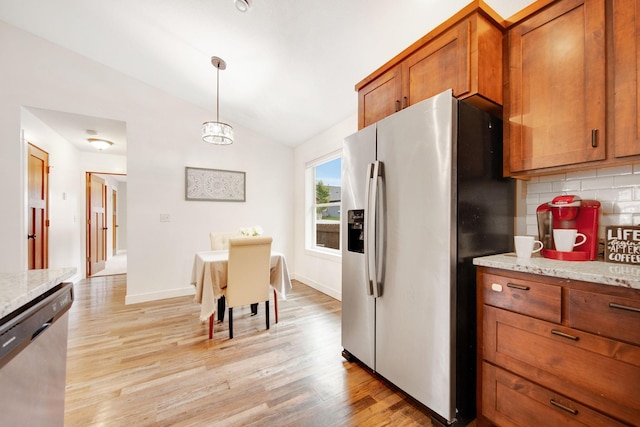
[[220, 239], [248, 272]]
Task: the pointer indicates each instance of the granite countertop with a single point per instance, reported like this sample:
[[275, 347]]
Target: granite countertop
[[605, 273], [18, 289]]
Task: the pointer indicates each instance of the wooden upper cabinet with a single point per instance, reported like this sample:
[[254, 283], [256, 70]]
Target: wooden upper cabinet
[[555, 99], [626, 75], [463, 54], [439, 65], [380, 98]]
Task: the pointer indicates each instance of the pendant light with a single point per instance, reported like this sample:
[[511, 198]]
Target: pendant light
[[217, 132]]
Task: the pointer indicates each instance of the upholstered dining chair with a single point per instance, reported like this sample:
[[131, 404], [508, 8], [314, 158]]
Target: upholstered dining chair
[[220, 242], [248, 274], [220, 239]]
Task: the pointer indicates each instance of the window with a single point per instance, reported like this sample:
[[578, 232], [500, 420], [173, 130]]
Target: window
[[325, 188]]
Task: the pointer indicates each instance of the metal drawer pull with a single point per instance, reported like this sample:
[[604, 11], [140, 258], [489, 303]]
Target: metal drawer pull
[[564, 408], [594, 138], [563, 335], [624, 307], [522, 288]]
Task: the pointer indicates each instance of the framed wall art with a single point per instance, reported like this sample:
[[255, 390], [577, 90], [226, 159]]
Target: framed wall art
[[214, 185]]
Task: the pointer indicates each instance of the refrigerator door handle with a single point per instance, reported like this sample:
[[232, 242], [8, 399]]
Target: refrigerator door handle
[[374, 223], [369, 221], [380, 232]]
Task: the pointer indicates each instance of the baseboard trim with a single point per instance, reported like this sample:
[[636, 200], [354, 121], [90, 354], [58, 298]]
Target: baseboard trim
[[153, 296], [318, 286]]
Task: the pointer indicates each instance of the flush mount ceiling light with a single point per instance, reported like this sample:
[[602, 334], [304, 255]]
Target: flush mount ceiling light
[[99, 143], [243, 5], [217, 132]]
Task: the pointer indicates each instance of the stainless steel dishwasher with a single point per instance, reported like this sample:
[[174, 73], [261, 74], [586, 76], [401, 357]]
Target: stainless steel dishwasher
[[33, 360]]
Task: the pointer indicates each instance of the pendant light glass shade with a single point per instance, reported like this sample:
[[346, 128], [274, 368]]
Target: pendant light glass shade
[[217, 132]]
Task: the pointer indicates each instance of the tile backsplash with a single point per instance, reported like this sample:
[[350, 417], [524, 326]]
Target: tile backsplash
[[616, 188]]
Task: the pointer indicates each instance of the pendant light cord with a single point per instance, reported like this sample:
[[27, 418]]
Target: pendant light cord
[[218, 92]]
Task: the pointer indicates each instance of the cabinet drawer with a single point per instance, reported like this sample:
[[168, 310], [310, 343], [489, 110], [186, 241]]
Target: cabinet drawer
[[605, 315], [599, 372], [523, 296], [509, 400]]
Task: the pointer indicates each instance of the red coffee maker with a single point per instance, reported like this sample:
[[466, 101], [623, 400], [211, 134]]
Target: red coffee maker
[[569, 212]]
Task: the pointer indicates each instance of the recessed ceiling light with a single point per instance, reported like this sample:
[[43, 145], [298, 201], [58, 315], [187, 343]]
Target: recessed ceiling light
[[242, 5]]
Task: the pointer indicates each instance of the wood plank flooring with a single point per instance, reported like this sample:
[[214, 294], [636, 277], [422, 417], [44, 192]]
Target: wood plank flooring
[[151, 364]]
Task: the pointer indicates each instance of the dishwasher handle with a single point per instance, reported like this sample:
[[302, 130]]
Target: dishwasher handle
[[41, 329]]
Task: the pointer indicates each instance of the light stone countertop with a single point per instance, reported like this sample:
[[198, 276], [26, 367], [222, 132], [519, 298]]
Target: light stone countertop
[[18, 289], [605, 273]]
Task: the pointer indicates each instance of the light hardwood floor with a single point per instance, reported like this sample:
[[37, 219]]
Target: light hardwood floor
[[152, 364]]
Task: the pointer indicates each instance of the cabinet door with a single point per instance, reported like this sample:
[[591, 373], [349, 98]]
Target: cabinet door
[[555, 109], [441, 64], [510, 400], [626, 30], [601, 373], [380, 98]]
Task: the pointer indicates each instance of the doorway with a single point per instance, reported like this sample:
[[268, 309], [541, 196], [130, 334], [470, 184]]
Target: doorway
[[38, 206], [105, 243]]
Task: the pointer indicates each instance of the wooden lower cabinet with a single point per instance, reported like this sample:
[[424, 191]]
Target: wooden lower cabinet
[[556, 352], [511, 400]]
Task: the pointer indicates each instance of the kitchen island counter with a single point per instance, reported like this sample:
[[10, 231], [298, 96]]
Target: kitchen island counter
[[605, 273], [18, 289]]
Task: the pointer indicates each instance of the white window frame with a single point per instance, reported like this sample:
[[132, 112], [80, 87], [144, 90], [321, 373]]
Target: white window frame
[[310, 217]]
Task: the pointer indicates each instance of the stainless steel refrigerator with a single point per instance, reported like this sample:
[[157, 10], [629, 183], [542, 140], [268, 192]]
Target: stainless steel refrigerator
[[422, 195]]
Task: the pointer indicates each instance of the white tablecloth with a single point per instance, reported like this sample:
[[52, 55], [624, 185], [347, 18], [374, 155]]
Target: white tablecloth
[[209, 276]]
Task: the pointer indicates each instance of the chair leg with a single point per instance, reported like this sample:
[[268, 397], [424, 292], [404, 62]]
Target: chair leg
[[211, 326], [222, 303], [266, 312], [275, 302], [230, 322]]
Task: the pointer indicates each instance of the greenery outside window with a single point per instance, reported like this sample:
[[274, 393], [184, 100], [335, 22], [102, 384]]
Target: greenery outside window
[[326, 209]]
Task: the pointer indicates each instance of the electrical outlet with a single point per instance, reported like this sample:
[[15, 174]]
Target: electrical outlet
[[165, 218]]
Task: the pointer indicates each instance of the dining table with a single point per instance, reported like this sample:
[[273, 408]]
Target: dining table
[[209, 276]]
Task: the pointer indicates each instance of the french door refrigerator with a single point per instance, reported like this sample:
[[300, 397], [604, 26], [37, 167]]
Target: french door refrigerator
[[423, 195]]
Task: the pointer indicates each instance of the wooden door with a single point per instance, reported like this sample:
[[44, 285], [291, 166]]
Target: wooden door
[[555, 108], [380, 97], [114, 221], [96, 224], [442, 64], [626, 70], [38, 206]]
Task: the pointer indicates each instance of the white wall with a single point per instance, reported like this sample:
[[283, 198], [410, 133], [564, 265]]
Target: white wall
[[163, 136], [321, 271]]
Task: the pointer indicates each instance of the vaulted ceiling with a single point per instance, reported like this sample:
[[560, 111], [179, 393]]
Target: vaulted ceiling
[[291, 64]]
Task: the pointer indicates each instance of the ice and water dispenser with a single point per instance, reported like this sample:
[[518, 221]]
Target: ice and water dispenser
[[355, 230]]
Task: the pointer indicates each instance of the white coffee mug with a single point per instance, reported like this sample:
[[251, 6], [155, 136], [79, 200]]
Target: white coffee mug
[[566, 239], [525, 246]]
